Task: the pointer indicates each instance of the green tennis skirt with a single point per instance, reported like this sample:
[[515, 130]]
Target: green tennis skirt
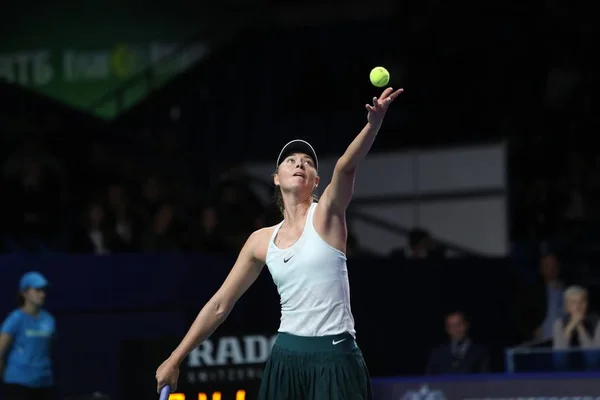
[[315, 368]]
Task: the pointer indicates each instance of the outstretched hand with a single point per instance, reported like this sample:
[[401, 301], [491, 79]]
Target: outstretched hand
[[167, 374], [380, 105]]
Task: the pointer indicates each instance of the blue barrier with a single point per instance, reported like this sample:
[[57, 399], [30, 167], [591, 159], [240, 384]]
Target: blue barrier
[[486, 377], [546, 359], [572, 386], [119, 282]]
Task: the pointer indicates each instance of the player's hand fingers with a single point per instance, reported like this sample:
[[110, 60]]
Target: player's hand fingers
[[386, 93], [160, 383], [369, 107], [396, 94], [375, 102]]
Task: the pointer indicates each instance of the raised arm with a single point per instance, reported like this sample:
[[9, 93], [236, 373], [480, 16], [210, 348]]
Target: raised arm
[[243, 274], [338, 194]]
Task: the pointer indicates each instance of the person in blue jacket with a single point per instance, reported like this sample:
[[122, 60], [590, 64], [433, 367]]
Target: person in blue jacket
[[25, 344]]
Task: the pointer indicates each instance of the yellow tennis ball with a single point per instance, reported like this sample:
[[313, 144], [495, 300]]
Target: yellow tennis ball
[[379, 76]]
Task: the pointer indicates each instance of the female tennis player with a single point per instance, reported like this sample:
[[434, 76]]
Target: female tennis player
[[25, 342], [315, 355]]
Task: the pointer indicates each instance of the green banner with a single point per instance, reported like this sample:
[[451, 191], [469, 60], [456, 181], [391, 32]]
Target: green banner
[[79, 55]]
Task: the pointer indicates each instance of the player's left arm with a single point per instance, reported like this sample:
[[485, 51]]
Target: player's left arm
[[338, 194]]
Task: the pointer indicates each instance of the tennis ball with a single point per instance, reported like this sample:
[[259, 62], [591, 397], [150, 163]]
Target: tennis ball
[[379, 76]]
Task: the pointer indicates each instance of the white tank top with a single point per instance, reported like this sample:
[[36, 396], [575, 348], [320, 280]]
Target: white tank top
[[312, 281]]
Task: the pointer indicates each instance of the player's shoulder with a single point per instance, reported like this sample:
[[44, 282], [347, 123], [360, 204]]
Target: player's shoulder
[[259, 242], [262, 235]]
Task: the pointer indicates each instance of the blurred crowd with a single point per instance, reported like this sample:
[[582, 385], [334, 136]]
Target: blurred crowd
[[158, 189], [117, 204], [121, 206]]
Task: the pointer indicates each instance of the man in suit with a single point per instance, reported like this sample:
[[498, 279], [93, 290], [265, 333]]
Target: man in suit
[[537, 306], [547, 298], [460, 355]]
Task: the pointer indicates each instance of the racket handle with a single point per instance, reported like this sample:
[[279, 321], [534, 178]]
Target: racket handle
[[165, 392]]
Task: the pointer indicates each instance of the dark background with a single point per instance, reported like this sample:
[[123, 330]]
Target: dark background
[[473, 72]]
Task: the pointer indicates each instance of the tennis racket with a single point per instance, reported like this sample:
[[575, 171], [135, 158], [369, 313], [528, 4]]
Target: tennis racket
[[165, 392]]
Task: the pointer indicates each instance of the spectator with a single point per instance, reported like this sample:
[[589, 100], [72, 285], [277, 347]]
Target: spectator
[[152, 196], [577, 328], [237, 210], [163, 235], [34, 209], [95, 236], [460, 355], [543, 303], [208, 238], [420, 246], [123, 222]]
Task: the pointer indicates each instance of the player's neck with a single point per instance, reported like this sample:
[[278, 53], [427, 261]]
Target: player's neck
[[30, 309], [295, 213]]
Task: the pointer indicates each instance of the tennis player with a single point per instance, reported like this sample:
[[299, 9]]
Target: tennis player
[[25, 344], [315, 356]]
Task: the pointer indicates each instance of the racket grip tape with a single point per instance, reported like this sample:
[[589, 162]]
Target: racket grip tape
[[165, 392]]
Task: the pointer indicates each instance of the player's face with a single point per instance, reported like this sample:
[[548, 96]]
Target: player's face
[[297, 171], [35, 297]]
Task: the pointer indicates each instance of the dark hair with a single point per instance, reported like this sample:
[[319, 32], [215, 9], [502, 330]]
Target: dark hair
[[457, 312], [279, 200], [416, 236], [20, 299]]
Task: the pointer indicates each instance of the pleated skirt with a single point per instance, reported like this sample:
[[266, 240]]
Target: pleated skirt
[[315, 368]]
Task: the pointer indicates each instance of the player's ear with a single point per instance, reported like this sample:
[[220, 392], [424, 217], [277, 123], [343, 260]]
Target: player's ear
[[317, 179], [275, 179]]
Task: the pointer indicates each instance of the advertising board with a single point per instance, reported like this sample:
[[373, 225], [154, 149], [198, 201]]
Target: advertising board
[[225, 367], [84, 60]]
